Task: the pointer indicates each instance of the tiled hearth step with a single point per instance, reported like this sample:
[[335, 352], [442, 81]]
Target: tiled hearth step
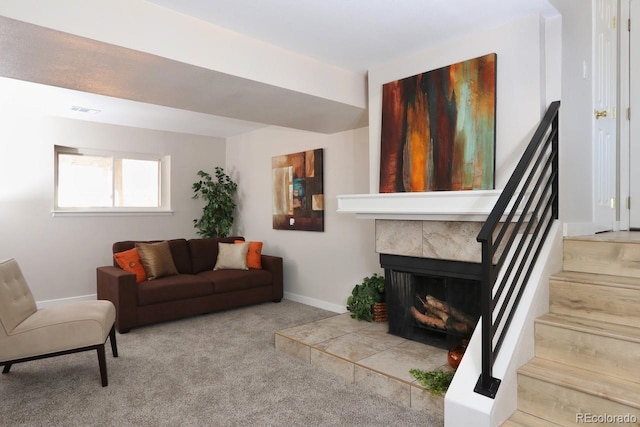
[[590, 344], [365, 354], [613, 299], [559, 393]]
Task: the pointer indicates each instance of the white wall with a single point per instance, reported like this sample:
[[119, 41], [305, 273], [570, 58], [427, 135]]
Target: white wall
[[320, 268], [59, 255], [519, 93], [576, 115], [552, 29]]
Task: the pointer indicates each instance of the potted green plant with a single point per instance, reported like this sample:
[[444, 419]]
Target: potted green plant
[[365, 296], [218, 193], [435, 382]]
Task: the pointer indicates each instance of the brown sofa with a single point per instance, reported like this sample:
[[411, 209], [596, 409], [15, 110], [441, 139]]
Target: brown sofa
[[196, 289]]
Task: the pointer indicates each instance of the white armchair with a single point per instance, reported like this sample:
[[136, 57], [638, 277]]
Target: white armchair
[[27, 333]]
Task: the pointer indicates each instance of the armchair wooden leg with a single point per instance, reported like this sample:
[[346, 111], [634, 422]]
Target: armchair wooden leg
[[6, 368], [112, 338], [103, 365]]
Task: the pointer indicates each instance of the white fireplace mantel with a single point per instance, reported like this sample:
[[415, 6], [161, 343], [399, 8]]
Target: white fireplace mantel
[[472, 205]]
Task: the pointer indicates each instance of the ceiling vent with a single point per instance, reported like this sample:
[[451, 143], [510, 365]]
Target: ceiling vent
[[84, 110]]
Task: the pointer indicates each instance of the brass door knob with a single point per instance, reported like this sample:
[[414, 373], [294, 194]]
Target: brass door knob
[[599, 114]]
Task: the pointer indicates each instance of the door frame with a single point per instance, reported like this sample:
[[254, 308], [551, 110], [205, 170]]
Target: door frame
[[624, 80]]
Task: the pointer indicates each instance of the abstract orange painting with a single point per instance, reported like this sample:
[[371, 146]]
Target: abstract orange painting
[[438, 129]]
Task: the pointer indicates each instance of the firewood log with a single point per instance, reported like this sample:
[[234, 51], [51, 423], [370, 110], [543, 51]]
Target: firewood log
[[435, 302], [461, 327], [461, 316], [432, 321], [439, 313], [430, 309]]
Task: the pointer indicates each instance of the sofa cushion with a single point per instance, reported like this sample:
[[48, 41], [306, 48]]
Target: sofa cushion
[[179, 251], [59, 328], [172, 288], [181, 258], [204, 252], [234, 280]]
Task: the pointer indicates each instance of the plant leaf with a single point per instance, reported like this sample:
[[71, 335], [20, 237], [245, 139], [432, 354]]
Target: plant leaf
[[436, 382]]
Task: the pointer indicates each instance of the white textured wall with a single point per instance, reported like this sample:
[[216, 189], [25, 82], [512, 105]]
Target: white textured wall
[[320, 268], [59, 255]]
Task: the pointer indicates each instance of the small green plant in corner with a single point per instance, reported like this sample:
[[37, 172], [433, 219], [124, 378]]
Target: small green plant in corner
[[218, 193], [435, 382], [364, 296]]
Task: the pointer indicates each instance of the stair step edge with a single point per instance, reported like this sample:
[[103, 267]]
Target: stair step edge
[[595, 327], [594, 383], [630, 237], [577, 277], [525, 419]]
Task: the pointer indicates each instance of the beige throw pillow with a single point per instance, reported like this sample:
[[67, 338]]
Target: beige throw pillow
[[156, 259], [232, 256]]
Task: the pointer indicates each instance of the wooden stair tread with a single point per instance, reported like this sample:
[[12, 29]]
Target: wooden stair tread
[[612, 237], [523, 419], [597, 279], [594, 383], [587, 345], [596, 327]]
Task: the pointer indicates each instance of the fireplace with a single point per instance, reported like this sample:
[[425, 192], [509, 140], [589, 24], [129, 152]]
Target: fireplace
[[433, 301], [427, 245]]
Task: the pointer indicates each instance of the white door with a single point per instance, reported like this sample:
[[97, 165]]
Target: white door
[[604, 114], [634, 123]]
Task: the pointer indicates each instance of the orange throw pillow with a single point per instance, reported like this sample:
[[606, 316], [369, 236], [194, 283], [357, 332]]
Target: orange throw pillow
[[253, 254], [130, 261]]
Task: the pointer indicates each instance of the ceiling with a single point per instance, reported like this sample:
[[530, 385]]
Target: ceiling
[[49, 70], [357, 34]]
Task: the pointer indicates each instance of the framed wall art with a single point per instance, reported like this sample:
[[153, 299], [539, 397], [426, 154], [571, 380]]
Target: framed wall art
[[438, 129], [298, 198]]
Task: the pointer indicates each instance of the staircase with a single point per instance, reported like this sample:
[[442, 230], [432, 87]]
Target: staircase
[[586, 367]]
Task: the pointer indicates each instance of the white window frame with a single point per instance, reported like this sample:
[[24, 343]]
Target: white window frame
[[164, 207]]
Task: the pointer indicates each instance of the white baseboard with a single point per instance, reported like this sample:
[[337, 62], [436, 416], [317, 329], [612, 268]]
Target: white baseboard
[[315, 303], [572, 229], [59, 301]]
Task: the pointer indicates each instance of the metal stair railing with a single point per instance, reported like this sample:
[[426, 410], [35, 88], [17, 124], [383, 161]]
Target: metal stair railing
[[512, 238]]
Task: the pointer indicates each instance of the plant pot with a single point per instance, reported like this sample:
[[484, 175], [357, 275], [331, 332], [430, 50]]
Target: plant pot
[[454, 357], [380, 312]]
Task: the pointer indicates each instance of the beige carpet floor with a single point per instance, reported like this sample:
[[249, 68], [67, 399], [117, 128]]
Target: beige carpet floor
[[219, 369]]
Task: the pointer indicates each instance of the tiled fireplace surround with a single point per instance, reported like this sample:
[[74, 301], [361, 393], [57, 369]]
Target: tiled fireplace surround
[[441, 226], [449, 240]]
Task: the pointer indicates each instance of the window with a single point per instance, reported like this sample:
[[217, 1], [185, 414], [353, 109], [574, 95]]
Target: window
[[100, 181]]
